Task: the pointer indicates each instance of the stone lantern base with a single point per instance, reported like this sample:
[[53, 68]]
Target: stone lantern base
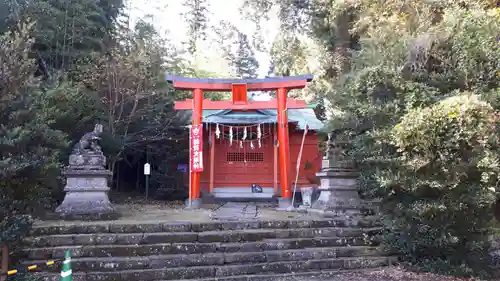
[[87, 190], [338, 191]]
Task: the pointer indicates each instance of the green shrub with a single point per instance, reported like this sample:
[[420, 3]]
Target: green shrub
[[439, 199]]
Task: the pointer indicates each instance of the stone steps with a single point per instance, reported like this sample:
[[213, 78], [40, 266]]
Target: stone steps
[[214, 259], [240, 235], [192, 248], [195, 227], [317, 275], [197, 272], [212, 250]]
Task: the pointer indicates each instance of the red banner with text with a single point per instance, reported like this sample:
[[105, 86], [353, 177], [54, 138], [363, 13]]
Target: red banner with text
[[196, 148]]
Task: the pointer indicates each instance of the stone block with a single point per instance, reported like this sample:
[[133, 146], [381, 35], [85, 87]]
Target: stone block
[[299, 223], [176, 227], [142, 275], [85, 239], [360, 263], [165, 237], [290, 255], [253, 235], [38, 254], [241, 247], [327, 223], [105, 238], [218, 236], [59, 240], [278, 244], [283, 233], [136, 228], [302, 243], [188, 273], [89, 229], [274, 224], [250, 257], [60, 252], [210, 259], [301, 233], [324, 264], [239, 225], [283, 267], [129, 238], [109, 264], [240, 269], [193, 248], [211, 226]]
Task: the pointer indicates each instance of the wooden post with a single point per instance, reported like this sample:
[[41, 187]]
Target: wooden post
[[284, 150], [5, 263], [212, 161], [197, 119]]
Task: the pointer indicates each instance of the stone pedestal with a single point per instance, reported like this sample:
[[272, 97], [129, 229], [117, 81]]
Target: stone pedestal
[[194, 204], [87, 189], [307, 194], [284, 204], [338, 191]]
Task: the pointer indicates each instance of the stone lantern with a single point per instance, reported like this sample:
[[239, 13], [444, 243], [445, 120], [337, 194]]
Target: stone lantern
[[338, 184]]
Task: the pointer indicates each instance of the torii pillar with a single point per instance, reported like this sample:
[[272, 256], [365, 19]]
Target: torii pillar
[[239, 88]]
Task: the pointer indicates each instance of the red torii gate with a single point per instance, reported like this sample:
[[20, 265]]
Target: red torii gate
[[239, 88]]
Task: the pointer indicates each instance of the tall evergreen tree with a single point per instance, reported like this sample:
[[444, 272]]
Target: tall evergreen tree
[[68, 31], [237, 50], [29, 147], [244, 61], [196, 17]]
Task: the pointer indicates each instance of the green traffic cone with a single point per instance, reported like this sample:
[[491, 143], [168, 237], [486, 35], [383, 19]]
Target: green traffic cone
[[66, 273]]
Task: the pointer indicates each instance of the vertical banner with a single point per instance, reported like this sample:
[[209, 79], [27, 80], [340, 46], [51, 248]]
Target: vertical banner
[[196, 148]]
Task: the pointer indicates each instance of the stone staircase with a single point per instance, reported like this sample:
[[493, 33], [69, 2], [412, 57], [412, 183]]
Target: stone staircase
[[231, 251]]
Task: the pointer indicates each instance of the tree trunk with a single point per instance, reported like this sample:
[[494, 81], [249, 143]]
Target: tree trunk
[[4, 263]]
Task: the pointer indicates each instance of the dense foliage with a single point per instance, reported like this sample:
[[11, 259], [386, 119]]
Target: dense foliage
[[29, 147], [414, 87], [446, 169], [72, 66]]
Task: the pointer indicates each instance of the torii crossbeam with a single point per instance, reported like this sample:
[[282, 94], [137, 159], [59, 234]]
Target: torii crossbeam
[[239, 89]]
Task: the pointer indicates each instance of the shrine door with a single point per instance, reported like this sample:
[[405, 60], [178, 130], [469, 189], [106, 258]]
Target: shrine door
[[237, 165]]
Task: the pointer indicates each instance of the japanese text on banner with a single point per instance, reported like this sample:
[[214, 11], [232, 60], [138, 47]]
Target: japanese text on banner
[[196, 156]]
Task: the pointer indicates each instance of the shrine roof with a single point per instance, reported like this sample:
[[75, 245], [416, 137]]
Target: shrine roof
[[300, 116], [256, 84]]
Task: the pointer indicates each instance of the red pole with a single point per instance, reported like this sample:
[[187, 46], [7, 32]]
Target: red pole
[[197, 119], [284, 150]]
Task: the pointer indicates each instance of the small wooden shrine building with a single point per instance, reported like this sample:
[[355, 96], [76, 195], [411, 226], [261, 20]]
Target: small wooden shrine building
[[247, 149]]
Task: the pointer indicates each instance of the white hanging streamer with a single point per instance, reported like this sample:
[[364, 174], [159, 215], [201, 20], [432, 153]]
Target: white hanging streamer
[[230, 136], [217, 132], [251, 145], [259, 135], [241, 144], [244, 133]]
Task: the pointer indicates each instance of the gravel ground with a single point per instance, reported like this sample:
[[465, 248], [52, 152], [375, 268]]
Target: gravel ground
[[387, 274]]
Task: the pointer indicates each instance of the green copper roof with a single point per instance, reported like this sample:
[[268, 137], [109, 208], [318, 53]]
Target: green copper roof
[[299, 116]]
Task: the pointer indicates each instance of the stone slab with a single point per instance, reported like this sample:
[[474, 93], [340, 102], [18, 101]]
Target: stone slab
[[171, 221], [229, 271], [47, 253], [236, 211], [213, 259], [224, 236]]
